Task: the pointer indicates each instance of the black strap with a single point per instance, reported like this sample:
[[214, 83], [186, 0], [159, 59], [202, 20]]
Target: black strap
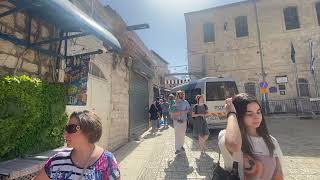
[[219, 156], [196, 108], [235, 165]]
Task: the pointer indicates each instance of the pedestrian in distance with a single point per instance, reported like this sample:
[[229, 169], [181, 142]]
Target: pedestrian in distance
[[246, 145], [158, 106], [154, 118], [84, 159], [200, 111], [165, 112], [172, 106], [180, 118]]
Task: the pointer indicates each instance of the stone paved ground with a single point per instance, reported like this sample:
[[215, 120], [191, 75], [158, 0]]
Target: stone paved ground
[[153, 156]]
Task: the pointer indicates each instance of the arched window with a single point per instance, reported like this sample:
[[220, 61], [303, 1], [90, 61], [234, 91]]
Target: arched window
[[250, 88], [303, 87], [96, 71]]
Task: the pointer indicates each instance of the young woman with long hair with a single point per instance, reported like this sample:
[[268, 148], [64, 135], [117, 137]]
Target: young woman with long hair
[[246, 144]]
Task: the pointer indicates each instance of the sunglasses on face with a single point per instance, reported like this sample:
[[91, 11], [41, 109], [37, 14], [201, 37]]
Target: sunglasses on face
[[72, 128]]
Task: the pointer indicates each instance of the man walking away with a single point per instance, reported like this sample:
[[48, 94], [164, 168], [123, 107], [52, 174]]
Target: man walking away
[[172, 107], [165, 112], [154, 118]]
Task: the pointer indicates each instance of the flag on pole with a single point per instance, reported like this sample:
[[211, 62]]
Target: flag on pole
[[312, 58], [293, 54]]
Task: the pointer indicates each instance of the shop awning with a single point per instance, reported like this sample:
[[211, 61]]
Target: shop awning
[[67, 17]]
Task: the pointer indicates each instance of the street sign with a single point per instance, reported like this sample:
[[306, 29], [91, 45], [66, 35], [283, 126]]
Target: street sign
[[273, 89], [263, 90], [263, 84]]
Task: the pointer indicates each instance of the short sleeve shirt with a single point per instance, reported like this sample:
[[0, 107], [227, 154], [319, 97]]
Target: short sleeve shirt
[[200, 109], [182, 105], [61, 167], [165, 107]]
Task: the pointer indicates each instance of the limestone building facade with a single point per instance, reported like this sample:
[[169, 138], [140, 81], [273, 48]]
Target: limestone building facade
[[224, 41]]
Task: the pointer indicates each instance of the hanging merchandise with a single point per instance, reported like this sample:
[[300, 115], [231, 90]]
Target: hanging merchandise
[[76, 78]]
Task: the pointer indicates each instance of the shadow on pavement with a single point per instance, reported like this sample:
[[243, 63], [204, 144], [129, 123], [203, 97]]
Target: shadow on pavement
[[178, 168], [212, 142], [163, 128], [205, 165], [148, 136], [125, 150]]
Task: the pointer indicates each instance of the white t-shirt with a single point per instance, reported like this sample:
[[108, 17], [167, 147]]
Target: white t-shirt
[[262, 167]]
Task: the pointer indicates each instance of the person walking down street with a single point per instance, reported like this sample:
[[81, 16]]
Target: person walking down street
[[165, 112], [158, 106], [200, 111], [85, 160], [246, 145], [172, 107], [154, 118], [180, 121]]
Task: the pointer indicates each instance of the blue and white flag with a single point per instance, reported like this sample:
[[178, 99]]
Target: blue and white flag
[[312, 57]]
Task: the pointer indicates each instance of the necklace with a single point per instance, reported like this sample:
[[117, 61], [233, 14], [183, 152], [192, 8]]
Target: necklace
[[87, 163]]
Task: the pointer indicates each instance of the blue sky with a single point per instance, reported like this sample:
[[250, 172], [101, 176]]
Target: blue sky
[[167, 33]]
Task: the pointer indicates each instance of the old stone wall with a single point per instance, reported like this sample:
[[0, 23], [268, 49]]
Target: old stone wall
[[16, 59]]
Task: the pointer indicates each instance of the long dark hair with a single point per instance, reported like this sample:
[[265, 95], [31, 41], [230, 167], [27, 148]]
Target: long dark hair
[[153, 107], [241, 102]]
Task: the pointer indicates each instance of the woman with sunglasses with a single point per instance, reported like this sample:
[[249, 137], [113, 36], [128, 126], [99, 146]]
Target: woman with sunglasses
[[85, 160], [246, 145]]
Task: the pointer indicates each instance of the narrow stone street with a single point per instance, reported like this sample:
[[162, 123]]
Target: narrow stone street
[[153, 156]]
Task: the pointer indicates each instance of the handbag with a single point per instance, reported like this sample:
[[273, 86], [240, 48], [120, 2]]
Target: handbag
[[220, 173]]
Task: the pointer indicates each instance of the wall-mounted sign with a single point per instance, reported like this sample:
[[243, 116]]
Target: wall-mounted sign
[[282, 87], [76, 78], [281, 79], [315, 99], [263, 84], [263, 90], [273, 89]]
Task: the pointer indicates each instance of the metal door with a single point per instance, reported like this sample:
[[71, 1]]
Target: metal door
[[138, 103]]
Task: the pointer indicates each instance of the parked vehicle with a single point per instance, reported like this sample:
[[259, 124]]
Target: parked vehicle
[[214, 90]]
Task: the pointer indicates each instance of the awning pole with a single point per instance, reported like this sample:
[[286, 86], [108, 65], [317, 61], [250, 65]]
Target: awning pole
[[66, 46], [62, 38]]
